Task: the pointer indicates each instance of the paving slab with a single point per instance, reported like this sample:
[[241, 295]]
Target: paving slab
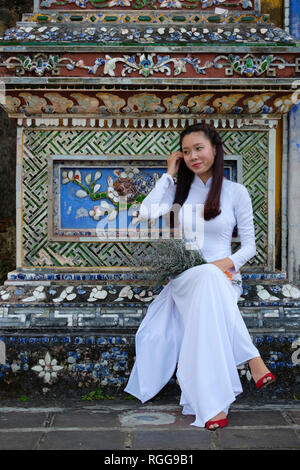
[[78, 418], [256, 418], [20, 440], [22, 419], [83, 440], [175, 440], [269, 439], [132, 426], [295, 416]]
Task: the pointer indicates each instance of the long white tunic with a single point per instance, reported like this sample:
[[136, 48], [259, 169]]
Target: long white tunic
[[195, 322]]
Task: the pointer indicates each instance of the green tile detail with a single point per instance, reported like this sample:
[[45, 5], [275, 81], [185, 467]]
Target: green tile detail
[[76, 18], [179, 18], [42, 18], [110, 18], [144, 18], [247, 18], [214, 19]]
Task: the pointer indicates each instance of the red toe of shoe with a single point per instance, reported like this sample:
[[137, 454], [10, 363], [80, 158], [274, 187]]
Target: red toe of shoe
[[260, 383], [221, 424]]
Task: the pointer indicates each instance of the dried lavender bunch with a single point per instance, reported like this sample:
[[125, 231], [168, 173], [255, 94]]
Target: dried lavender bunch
[[168, 258]]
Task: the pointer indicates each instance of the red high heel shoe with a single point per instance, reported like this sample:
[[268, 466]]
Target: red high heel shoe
[[260, 383], [221, 424]]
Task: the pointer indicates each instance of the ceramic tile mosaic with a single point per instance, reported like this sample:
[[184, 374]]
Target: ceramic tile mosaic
[[118, 105], [73, 364], [134, 33], [38, 251], [135, 4], [160, 17]]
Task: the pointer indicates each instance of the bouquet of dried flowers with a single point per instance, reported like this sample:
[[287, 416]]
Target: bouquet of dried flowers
[[168, 258]]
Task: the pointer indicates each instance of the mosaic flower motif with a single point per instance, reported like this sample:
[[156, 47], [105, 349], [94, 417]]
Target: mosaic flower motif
[[91, 189], [5, 295], [47, 368], [119, 3], [171, 4], [124, 193], [79, 3], [125, 187], [47, 3], [104, 208], [289, 290], [245, 371]]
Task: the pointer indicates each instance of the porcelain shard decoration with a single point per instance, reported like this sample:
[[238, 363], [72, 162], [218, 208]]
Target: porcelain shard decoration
[[146, 64], [140, 33], [47, 368], [155, 4]]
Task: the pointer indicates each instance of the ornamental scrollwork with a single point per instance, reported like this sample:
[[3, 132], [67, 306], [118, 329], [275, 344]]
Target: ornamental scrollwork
[[149, 64]]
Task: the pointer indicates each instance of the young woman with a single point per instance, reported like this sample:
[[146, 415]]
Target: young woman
[[195, 322]]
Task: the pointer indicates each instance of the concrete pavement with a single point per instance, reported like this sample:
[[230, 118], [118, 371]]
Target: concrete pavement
[[128, 425]]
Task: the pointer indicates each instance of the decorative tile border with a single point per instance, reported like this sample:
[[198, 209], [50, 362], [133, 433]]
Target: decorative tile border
[[176, 122], [147, 64], [147, 4], [67, 296], [151, 34], [160, 17], [79, 276], [123, 106]]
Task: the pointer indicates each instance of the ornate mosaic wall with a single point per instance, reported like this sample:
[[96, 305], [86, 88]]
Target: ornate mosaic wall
[[39, 251]]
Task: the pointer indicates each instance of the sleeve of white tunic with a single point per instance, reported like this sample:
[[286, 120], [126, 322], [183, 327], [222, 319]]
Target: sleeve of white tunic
[[242, 206], [160, 199]]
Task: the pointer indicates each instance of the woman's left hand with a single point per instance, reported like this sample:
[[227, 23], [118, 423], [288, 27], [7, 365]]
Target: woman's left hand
[[224, 264]]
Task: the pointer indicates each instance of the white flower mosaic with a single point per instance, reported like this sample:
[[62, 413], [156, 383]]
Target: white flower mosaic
[[66, 294], [291, 291], [4, 294], [47, 368], [37, 294], [97, 293], [264, 294], [245, 371]]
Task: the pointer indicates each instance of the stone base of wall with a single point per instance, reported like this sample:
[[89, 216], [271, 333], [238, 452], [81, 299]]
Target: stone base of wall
[[68, 339], [63, 363]]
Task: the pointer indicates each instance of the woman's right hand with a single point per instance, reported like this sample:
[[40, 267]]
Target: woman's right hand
[[173, 162]]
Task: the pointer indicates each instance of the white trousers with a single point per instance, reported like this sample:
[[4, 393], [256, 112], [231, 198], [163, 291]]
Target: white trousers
[[195, 323]]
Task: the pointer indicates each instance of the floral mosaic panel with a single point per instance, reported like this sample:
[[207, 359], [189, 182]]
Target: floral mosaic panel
[[39, 145], [101, 200]]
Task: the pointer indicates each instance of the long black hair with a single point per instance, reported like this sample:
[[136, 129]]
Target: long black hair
[[185, 176]]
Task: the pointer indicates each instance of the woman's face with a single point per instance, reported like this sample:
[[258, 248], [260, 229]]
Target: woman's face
[[199, 154]]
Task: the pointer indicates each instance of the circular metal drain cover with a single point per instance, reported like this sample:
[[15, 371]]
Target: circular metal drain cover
[[137, 419]]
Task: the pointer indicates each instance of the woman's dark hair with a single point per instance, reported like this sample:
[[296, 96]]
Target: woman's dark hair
[[185, 176]]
